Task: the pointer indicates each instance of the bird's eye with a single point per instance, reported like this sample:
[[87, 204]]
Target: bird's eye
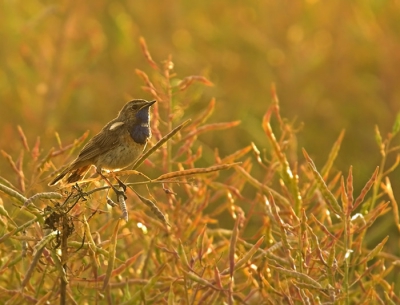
[[134, 107]]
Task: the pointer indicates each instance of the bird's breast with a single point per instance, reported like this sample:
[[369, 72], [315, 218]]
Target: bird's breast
[[122, 155]]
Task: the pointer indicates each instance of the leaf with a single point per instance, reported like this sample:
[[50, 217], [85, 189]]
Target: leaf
[[147, 54], [211, 127], [189, 80], [195, 171], [330, 199], [396, 125], [374, 252]]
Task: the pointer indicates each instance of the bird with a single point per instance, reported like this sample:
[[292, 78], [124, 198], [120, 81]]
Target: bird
[[116, 146]]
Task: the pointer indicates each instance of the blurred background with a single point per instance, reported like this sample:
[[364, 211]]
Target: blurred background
[[69, 66]]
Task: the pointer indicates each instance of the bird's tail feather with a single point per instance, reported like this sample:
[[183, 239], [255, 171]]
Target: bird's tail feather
[[59, 177], [78, 174], [75, 175]]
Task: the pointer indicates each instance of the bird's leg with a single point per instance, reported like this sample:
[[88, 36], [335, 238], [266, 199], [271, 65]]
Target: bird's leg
[[117, 192]]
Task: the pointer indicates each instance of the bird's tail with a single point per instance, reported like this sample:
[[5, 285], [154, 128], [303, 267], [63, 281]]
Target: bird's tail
[[59, 177], [78, 174], [75, 175]]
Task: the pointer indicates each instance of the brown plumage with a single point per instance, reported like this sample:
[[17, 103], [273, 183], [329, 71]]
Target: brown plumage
[[116, 146]]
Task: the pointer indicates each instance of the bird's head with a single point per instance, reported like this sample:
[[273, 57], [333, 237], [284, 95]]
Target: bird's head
[[136, 110]]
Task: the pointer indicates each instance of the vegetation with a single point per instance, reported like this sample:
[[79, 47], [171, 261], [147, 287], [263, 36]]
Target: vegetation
[[249, 227]]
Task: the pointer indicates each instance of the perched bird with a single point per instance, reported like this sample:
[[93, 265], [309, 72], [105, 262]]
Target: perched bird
[[116, 146]]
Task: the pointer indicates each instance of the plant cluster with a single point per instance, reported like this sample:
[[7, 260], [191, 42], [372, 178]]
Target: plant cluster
[[253, 227]]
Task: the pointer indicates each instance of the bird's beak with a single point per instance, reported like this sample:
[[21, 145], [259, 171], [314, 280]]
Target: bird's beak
[[148, 104]]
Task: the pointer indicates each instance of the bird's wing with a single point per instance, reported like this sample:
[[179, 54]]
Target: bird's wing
[[104, 141]]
